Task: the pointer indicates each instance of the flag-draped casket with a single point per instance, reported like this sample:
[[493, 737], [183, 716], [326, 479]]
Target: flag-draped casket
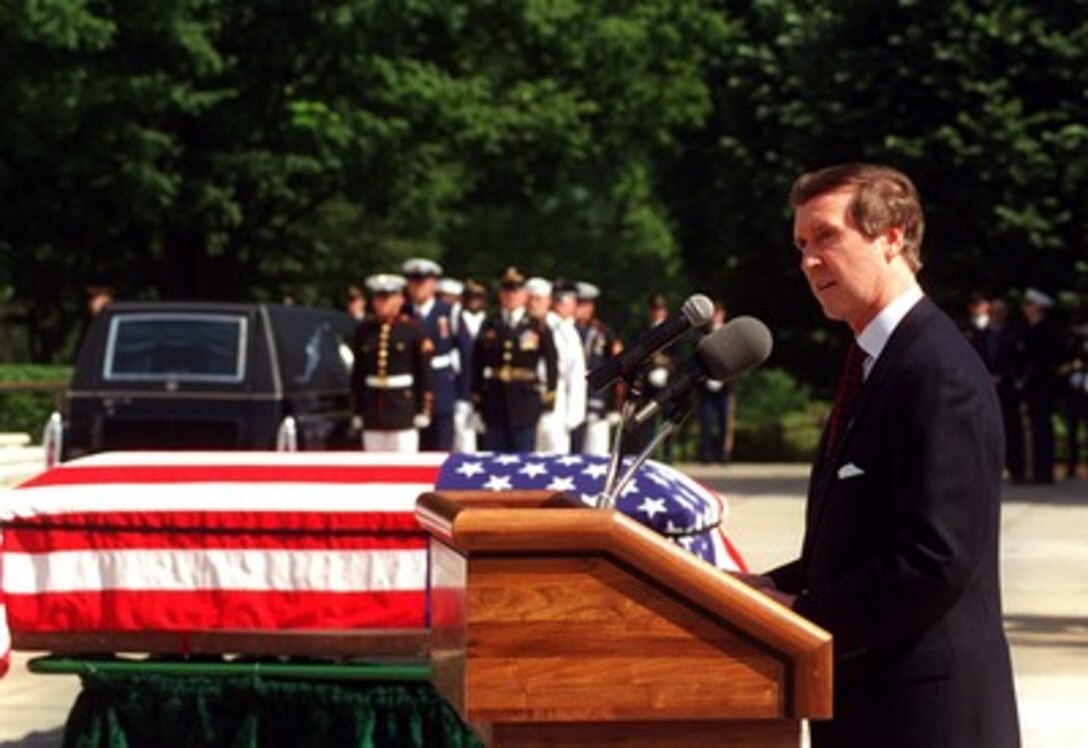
[[194, 541]]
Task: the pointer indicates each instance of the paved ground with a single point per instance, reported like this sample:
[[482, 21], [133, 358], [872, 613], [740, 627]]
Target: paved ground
[[1045, 551]]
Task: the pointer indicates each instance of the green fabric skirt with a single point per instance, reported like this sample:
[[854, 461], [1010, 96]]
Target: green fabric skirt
[[155, 711]]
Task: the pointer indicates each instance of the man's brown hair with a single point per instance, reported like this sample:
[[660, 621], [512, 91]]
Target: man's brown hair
[[883, 198]]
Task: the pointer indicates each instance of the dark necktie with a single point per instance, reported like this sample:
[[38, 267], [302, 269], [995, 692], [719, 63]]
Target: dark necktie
[[846, 395]]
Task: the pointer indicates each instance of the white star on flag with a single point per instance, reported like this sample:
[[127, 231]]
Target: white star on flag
[[498, 483], [533, 469], [596, 471], [650, 507], [470, 469], [561, 484], [672, 504]]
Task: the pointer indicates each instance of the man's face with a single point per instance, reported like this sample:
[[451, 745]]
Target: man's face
[[421, 288], [388, 305], [565, 306], [846, 270], [512, 297], [585, 311], [539, 305]]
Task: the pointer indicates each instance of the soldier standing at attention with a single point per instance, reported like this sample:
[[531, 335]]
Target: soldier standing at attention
[[355, 303], [554, 305], [437, 319], [507, 390], [391, 378], [599, 344], [469, 322], [656, 375]]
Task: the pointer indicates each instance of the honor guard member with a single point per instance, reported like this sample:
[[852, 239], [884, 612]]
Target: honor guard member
[[437, 319], [355, 303], [599, 344], [449, 290], [555, 304], [656, 375], [473, 313], [391, 377], [508, 392]]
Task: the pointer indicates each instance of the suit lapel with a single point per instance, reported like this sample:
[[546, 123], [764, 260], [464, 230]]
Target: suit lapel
[[826, 472]]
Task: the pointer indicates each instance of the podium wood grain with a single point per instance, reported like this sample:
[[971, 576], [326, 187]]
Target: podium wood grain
[[551, 619]]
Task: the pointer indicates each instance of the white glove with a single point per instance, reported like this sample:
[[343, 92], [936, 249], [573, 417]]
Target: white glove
[[421, 421], [356, 423], [658, 377], [462, 412], [477, 423], [613, 418], [714, 385]]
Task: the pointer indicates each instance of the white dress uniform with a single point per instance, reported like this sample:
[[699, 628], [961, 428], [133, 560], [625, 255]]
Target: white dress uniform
[[553, 430]]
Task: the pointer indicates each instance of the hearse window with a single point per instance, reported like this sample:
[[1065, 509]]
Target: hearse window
[[177, 347], [308, 346]]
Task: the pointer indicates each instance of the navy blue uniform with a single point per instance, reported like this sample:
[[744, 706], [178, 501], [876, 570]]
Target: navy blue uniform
[[438, 324]]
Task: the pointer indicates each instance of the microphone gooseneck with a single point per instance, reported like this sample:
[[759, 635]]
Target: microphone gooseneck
[[697, 311], [734, 348]]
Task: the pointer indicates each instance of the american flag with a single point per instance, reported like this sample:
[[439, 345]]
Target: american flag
[[660, 497], [199, 541]]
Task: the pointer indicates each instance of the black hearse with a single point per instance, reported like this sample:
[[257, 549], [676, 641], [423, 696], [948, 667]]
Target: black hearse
[[188, 375]]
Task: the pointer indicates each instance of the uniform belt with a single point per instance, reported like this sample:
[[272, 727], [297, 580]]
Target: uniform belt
[[390, 382], [441, 362], [511, 374]]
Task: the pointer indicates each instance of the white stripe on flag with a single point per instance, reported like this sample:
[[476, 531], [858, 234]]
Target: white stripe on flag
[[335, 459], [214, 497], [215, 569]]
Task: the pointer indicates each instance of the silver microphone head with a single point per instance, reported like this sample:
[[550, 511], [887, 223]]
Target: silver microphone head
[[734, 348], [698, 309]]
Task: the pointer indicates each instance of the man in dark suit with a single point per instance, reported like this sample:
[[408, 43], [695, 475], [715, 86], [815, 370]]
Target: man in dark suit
[[900, 556]]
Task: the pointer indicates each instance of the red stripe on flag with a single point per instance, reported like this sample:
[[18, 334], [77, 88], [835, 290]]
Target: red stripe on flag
[[52, 539], [213, 521], [134, 610], [76, 474]]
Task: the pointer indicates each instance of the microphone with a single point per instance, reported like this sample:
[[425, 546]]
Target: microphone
[[696, 312], [734, 348]]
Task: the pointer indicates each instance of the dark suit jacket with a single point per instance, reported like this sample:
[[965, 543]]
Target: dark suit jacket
[[900, 559]]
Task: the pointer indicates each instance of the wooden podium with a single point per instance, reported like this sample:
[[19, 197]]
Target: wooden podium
[[560, 625]]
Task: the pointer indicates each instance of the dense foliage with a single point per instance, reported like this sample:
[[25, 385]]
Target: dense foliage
[[28, 394], [214, 149]]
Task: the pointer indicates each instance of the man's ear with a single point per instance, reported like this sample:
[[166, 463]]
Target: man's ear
[[893, 242]]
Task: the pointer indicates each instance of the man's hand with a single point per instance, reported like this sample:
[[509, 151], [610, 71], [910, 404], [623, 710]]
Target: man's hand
[[782, 598], [755, 581], [421, 421], [356, 423], [766, 586]]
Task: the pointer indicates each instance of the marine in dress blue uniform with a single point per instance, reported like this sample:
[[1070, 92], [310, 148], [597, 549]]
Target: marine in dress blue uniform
[[391, 380]]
